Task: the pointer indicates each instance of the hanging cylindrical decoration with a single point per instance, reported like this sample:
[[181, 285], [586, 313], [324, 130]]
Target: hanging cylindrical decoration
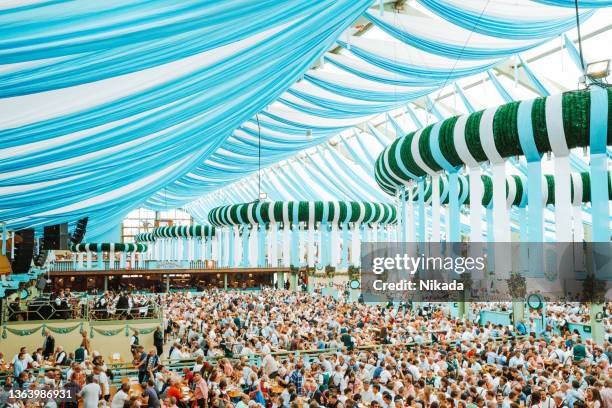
[[300, 219], [549, 124]]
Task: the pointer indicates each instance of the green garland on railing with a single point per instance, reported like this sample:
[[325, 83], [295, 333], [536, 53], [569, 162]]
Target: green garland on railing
[[126, 330], [575, 113], [41, 328], [229, 215]]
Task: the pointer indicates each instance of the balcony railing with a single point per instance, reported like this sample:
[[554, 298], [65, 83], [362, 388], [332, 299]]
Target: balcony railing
[[71, 265], [83, 308]]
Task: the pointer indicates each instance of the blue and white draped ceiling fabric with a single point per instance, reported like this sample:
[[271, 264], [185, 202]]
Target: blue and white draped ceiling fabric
[[130, 103], [105, 147], [519, 20]]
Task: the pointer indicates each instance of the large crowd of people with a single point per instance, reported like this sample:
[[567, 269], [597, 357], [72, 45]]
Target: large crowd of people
[[285, 349]]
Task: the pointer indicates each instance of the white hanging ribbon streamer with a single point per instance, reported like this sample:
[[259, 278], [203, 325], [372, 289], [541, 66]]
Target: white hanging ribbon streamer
[[410, 222], [476, 188], [558, 144], [355, 244], [577, 207], [111, 257], [311, 234], [435, 208], [501, 212], [286, 235], [273, 245], [253, 246]]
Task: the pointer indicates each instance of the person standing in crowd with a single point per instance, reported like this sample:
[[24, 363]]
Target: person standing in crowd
[[48, 345], [90, 393], [158, 340], [140, 362], [121, 396], [134, 341], [150, 393], [200, 391]]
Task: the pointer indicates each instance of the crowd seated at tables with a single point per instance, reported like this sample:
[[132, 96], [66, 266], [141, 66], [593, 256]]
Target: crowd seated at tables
[[123, 305], [282, 349]]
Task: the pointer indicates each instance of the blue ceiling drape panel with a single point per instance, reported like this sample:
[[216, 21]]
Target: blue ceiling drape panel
[[103, 156], [513, 24]]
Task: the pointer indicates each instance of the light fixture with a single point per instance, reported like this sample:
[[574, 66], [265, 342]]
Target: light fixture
[[262, 195], [598, 69]]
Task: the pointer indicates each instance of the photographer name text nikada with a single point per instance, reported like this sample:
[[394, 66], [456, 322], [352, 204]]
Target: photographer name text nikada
[[423, 284]]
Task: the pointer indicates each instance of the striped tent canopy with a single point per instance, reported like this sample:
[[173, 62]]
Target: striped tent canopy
[[144, 237], [516, 189], [107, 247], [303, 211], [184, 231], [488, 135]]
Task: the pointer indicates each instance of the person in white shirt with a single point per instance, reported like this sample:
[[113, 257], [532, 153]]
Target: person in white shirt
[[90, 393], [102, 379], [121, 396], [367, 395], [516, 360]]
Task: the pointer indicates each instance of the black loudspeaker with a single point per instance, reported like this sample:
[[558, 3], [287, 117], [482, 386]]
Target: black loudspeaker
[[41, 258], [24, 251], [79, 231], [56, 237]]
